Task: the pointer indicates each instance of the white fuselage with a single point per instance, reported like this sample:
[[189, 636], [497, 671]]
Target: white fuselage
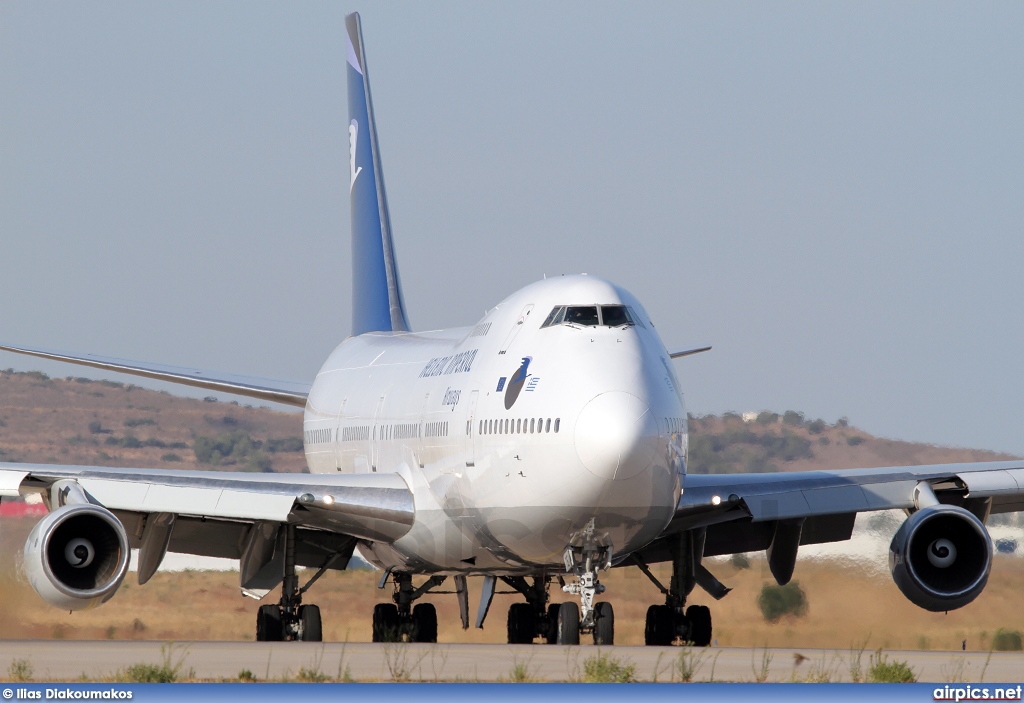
[[513, 437]]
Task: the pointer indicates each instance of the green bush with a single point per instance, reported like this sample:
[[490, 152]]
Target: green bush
[[740, 561], [229, 448], [170, 457], [167, 671], [767, 418], [817, 426], [793, 418], [287, 444], [854, 441], [20, 670], [776, 601], [139, 421], [884, 671], [96, 427], [148, 673], [604, 668], [1007, 640]]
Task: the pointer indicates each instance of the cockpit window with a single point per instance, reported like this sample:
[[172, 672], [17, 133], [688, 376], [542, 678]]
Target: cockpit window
[[585, 315], [592, 315], [615, 315], [557, 313]]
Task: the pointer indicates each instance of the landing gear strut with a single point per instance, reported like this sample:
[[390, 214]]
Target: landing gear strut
[[585, 564], [534, 618], [398, 621], [669, 622], [290, 619]]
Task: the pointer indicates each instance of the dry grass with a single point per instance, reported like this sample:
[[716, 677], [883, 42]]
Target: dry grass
[[48, 421], [847, 606]]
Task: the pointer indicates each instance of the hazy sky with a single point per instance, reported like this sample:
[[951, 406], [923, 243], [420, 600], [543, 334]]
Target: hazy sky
[[832, 194]]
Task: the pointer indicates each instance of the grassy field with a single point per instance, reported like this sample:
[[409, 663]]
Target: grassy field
[[847, 606], [78, 421]]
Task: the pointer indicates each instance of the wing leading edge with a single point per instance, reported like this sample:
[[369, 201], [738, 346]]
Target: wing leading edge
[[286, 392]]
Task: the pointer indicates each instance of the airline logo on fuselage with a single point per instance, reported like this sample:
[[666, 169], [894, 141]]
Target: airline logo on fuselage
[[444, 365], [515, 385]]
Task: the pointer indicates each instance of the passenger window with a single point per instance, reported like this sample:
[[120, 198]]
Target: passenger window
[[548, 425], [581, 315], [532, 420], [558, 421], [615, 316], [519, 426]]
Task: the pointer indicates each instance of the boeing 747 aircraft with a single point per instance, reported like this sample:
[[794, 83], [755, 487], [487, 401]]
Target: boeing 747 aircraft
[[539, 447]]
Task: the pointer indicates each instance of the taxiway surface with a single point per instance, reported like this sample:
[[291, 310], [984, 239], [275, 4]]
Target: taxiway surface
[[69, 660]]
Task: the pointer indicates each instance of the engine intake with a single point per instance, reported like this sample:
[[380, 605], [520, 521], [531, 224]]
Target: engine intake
[[77, 556], [940, 558]]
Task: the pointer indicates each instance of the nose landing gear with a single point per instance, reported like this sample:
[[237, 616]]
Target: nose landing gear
[[597, 619]]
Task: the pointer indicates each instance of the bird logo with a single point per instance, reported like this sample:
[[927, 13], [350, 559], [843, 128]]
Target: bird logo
[[516, 383]]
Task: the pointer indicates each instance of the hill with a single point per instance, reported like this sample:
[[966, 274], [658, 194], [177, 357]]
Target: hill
[[770, 441], [76, 420], [104, 423]]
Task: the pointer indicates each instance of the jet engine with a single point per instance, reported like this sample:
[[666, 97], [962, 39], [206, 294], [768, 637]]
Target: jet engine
[[77, 556], [940, 557]]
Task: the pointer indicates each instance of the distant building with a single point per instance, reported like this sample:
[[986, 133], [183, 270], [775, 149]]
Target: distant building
[[749, 417]]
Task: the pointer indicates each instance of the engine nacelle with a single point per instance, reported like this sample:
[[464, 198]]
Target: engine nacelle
[[77, 556], [940, 557]]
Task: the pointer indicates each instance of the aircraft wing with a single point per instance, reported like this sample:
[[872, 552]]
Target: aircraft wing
[[220, 514], [742, 512], [287, 392]]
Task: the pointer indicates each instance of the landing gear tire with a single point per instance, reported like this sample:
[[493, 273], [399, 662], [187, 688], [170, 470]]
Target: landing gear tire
[[604, 624], [568, 624], [386, 625], [659, 630], [699, 617], [522, 623], [552, 634], [424, 623], [312, 626], [268, 624]]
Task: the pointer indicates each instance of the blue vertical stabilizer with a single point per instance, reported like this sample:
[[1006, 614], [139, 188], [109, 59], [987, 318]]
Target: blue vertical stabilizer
[[376, 293]]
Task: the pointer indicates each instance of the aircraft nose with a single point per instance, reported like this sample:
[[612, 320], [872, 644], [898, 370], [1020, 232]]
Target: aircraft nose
[[616, 436]]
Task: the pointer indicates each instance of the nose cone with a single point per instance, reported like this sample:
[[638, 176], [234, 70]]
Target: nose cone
[[616, 436]]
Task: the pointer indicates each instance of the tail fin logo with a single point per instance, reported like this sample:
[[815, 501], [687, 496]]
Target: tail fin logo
[[353, 172]]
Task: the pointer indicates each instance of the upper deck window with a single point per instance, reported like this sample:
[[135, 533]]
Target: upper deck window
[[592, 315]]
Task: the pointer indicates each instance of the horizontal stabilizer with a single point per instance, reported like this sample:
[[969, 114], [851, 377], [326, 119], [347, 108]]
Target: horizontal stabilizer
[[287, 392]]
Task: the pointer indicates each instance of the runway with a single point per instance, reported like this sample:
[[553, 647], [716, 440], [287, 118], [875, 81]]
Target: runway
[[70, 660]]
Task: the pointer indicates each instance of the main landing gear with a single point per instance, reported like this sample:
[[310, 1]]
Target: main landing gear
[[290, 619], [554, 623], [400, 621], [670, 622], [563, 623]]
